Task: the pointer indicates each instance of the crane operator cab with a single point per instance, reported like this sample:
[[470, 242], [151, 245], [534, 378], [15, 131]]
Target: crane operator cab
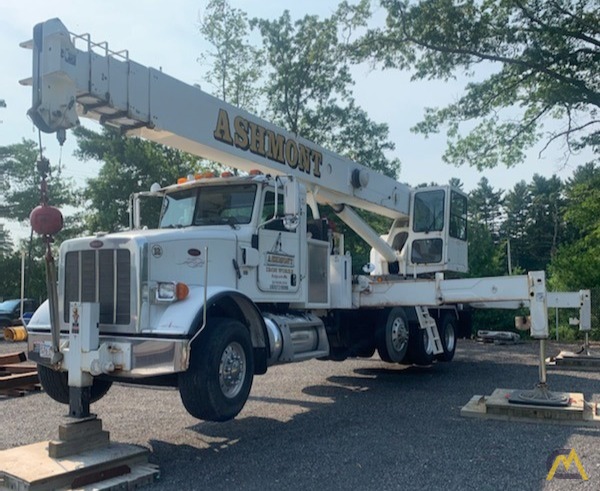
[[433, 238]]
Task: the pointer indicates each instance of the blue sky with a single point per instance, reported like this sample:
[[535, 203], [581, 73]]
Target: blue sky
[[165, 34]]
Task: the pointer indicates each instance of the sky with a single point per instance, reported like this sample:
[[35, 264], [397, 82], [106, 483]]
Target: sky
[[165, 34]]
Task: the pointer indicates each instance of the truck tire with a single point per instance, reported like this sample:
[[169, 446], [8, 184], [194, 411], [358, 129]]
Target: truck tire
[[419, 349], [392, 335], [56, 385], [217, 383], [448, 331]]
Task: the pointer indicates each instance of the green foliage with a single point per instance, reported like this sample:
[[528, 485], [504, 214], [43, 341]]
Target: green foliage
[[235, 65], [308, 86], [485, 258], [20, 184], [514, 227], [544, 228], [10, 279], [485, 206], [6, 244], [130, 165], [577, 264], [543, 58]]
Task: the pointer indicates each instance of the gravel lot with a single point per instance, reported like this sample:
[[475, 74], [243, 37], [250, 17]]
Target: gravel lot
[[360, 424]]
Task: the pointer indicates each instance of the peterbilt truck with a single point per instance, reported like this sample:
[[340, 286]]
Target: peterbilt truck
[[242, 272]]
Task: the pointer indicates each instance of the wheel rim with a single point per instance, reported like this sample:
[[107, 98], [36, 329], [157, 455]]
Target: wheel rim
[[232, 370], [449, 337], [427, 343], [399, 334]]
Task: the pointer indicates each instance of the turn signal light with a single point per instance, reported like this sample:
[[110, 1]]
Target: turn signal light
[[181, 291]]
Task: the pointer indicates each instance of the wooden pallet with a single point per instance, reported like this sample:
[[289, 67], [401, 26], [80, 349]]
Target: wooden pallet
[[16, 378]]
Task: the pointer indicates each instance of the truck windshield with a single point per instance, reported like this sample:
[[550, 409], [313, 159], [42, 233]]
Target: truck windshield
[[210, 205]]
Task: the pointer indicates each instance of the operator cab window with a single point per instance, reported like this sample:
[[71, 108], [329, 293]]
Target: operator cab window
[[429, 211], [458, 216]]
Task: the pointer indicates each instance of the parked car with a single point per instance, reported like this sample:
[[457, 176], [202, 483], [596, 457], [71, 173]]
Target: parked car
[[10, 311]]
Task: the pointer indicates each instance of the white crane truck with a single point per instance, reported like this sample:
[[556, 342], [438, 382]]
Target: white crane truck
[[242, 272]]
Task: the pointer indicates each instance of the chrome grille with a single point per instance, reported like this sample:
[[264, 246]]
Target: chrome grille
[[102, 276]]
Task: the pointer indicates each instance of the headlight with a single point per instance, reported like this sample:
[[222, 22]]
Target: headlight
[[171, 291]]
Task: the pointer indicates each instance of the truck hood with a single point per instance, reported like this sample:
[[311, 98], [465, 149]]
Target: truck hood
[[161, 235]]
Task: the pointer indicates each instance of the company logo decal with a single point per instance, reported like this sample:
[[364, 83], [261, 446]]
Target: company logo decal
[[247, 135]]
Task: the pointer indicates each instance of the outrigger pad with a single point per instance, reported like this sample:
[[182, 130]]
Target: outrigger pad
[[540, 396]]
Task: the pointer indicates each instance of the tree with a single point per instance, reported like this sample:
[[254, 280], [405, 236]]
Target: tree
[[485, 207], [308, 89], [485, 254], [516, 206], [544, 229], [235, 65], [6, 244], [543, 57], [130, 165], [20, 193], [577, 263], [20, 186]]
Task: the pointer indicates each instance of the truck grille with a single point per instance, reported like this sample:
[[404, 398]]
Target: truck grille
[[102, 276]]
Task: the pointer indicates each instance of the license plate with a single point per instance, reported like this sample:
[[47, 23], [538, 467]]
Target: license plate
[[45, 350]]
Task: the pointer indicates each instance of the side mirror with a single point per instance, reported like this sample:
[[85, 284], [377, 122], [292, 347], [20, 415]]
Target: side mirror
[[291, 198], [291, 204]]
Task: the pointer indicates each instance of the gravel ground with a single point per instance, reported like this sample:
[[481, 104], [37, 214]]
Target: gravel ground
[[360, 424]]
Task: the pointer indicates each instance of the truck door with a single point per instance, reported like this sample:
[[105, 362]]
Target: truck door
[[279, 249]]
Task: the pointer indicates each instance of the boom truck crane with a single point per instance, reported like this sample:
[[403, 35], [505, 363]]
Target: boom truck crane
[[243, 272]]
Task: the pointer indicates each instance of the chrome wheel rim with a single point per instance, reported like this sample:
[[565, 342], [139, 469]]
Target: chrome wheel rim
[[232, 370], [399, 334], [449, 336], [428, 342]]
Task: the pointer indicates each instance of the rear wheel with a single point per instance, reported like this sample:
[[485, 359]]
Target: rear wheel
[[56, 385], [447, 329], [217, 383], [420, 351], [392, 335]]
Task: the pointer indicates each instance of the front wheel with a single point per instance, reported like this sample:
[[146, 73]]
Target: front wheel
[[217, 383], [56, 385]]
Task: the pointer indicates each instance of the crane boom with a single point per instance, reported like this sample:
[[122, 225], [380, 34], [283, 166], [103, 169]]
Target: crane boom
[[107, 86]]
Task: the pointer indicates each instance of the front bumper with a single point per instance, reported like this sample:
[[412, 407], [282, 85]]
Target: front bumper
[[135, 358]]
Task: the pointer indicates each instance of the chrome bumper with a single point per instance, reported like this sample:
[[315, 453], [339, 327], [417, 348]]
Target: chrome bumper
[[149, 357]]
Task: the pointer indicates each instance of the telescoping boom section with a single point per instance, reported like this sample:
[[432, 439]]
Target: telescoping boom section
[[101, 84]]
